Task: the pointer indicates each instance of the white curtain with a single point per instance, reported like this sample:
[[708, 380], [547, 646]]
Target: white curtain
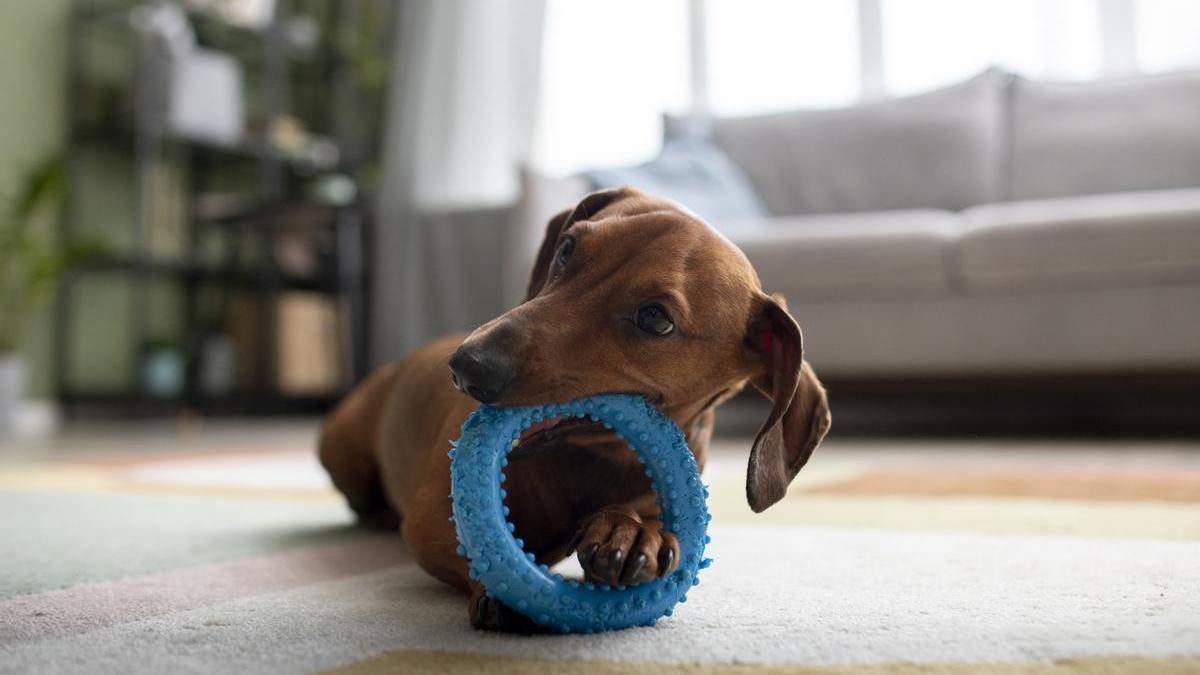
[[461, 111]]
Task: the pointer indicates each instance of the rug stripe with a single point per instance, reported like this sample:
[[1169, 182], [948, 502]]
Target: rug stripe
[[428, 662], [87, 479], [1079, 485], [53, 540], [97, 605], [985, 515]]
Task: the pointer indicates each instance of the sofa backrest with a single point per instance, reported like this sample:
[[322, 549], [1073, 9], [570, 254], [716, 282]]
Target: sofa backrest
[[941, 149], [1137, 133]]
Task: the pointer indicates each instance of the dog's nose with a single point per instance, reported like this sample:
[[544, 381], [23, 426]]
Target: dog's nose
[[483, 374]]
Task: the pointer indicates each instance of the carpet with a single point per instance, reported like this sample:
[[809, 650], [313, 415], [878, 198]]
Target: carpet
[[884, 558]]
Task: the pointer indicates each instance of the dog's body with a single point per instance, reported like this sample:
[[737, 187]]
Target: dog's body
[[629, 294]]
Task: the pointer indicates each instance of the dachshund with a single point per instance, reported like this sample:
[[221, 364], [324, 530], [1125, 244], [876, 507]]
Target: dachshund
[[629, 294]]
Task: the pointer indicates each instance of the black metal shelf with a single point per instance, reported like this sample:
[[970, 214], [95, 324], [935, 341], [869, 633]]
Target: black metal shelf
[[190, 272], [116, 15], [247, 149], [254, 213], [247, 219], [248, 403]]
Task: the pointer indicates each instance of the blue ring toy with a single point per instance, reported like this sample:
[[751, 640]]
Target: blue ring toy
[[498, 560]]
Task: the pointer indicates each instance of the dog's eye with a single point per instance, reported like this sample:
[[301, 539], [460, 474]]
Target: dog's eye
[[653, 319], [563, 256]]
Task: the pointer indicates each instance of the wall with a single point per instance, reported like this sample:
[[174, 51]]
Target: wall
[[32, 78]]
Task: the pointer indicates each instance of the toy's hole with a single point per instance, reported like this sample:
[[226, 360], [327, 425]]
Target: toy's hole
[[564, 460]]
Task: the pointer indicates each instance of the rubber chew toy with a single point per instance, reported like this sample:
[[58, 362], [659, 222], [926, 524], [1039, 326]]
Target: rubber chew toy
[[510, 574]]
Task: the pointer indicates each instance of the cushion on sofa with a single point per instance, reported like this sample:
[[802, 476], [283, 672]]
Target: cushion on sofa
[[878, 254], [1137, 133], [1100, 240], [693, 171], [941, 149]]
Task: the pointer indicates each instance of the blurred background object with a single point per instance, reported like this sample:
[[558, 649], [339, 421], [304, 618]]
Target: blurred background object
[[985, 214]]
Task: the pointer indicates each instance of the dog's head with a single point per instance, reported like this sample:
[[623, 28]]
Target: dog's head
[[635, 294]]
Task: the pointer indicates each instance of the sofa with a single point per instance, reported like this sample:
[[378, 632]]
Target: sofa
[[996, 228]]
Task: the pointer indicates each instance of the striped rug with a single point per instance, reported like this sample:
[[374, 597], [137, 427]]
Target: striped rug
[[895, 558]]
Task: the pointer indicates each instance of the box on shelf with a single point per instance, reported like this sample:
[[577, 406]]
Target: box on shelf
[[310, 353]]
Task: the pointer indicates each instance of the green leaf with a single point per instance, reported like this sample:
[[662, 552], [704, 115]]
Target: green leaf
[[30, 267], [44, 184]]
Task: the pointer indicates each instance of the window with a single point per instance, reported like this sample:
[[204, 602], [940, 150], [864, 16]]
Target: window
[[1167, 34], [610, 70], [770, 55], [931, 43]]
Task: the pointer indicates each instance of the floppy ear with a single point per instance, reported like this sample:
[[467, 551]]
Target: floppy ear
[[541, 265], [585, 209], [799, 416]]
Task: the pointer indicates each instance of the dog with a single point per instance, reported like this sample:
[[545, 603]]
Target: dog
[[629, 294]]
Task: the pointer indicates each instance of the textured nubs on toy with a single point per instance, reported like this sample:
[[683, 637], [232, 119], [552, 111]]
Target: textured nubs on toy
[[510, 574]]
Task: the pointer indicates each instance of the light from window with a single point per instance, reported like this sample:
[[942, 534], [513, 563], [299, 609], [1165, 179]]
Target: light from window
[[931, 43], [770, 55], [610, 70], [1168, 34]]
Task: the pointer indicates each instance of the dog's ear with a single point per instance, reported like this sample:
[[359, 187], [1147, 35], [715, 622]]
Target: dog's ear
[[799, 416], [585, 209]]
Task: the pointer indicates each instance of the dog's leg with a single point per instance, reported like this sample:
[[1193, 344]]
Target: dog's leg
[[491, 614], [354, 473], [434, 547], [347, 451], [622, 545]]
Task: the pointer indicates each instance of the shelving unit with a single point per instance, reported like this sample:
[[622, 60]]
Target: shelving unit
[[257, 219]]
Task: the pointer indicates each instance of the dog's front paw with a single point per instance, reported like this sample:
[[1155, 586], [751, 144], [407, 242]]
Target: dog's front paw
[[615, 547], [491, 614]]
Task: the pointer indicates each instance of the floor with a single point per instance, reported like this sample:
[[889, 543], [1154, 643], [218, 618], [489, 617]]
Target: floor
[[161, 547]]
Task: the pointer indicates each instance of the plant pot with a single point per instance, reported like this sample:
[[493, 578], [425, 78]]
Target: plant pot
[[12, 389]]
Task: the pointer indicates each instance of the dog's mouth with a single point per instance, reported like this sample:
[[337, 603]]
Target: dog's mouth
[[546, 435]]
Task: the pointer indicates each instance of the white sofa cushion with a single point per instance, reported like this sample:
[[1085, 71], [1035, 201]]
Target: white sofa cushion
[[942, 149], [1099, 240], [876, 254], [1137, 133]]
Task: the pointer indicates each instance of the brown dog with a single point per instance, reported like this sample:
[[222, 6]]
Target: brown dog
[[629, 294]]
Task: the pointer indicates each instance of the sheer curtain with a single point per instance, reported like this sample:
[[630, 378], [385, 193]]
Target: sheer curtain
[[460, 119]]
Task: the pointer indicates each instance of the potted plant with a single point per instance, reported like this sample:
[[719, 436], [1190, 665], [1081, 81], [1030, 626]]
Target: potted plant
[[30, 266]]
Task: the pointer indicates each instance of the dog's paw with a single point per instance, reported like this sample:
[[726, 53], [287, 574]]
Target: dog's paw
[[616, 548], [491, 614]]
